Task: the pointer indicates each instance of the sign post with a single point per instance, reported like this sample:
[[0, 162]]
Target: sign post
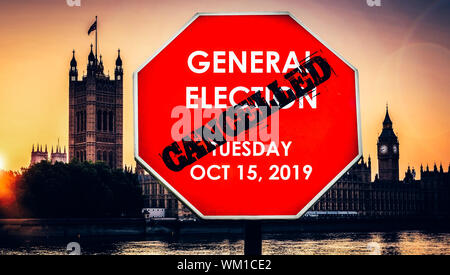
[[252, 238], [247, 117]]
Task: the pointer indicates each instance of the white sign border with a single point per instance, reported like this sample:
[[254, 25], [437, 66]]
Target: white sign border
[[141, 162]]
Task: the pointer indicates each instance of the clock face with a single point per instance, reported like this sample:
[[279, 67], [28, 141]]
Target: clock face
[[383, 149], [395, 149]]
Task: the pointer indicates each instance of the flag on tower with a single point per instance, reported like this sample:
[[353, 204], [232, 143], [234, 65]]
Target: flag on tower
[[93, 27]]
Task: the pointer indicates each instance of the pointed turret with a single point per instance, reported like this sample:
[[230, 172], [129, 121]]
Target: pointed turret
[[118, 72], [92, 63], [91, 56], [387, 134], [387, 123], [100, 66], [73, 62], [118, 60]]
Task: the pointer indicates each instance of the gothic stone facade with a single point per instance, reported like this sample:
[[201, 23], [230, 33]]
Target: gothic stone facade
[[95, 113], [388, 196], [155, 195], [355, 194]]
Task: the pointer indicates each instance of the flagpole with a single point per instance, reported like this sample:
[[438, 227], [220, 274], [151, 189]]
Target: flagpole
[[96, 28]]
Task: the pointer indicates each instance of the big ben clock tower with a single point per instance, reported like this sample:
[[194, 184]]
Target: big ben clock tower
[[388, 152]]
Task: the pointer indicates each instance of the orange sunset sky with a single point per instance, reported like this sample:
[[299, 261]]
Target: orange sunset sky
[[401, 50]]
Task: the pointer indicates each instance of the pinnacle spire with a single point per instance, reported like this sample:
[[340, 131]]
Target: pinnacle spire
[[387, 123], [91, 56], [73, 62], [118, 60]]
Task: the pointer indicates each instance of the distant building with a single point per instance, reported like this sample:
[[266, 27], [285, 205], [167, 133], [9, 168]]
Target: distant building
[[39, 154], [58, 155], [155, 195], [435, 186], [388, 152], [95, 113], [387, 196], [355, 194]]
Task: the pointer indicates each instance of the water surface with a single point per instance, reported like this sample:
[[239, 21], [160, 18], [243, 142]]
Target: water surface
[[355, 243]]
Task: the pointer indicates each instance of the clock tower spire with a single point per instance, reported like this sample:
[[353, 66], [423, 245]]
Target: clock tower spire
[[388, 152]]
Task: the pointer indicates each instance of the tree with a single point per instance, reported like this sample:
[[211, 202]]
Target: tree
[[78, 190]]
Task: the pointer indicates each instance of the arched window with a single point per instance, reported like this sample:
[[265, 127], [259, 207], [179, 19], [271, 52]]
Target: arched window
[[104, 156], [105, 121], [84, 125], [111, 161], [78, 121], [81, 121], [78, 155], [111, 121], [99, 120], [99, 156]]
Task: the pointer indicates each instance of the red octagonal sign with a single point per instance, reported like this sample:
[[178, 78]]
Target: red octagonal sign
[[247, 116]]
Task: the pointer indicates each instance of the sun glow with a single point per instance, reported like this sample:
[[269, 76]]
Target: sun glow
[[2, 163]]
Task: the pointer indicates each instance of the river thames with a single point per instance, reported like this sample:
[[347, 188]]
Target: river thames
[[342, 243]]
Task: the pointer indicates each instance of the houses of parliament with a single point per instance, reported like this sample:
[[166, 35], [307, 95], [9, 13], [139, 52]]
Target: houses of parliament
[[355, 194], [388, 195], [96, 134]]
